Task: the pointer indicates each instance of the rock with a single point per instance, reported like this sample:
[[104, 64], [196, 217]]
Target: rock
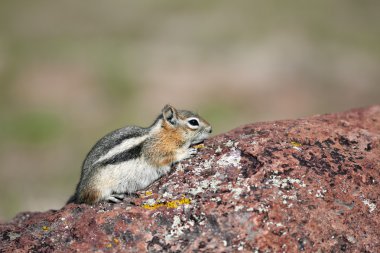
[[294, 185]]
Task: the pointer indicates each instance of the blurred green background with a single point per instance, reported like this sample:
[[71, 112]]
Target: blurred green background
[[71, 71]]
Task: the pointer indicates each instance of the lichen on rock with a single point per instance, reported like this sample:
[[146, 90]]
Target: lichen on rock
[[295, 185]]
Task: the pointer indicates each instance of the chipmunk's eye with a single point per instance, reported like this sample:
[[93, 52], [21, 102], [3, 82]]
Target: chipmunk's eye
[[193, 123]]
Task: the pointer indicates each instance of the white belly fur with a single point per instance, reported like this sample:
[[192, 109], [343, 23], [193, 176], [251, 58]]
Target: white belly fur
[[127, 177]]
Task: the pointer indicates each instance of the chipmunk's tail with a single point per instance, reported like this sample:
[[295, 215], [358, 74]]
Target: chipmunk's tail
[[72, 199]]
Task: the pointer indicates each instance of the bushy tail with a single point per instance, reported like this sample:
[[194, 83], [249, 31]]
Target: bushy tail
[[72, 199]]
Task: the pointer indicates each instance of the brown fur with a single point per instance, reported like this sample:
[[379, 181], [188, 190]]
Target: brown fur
[[89, 196], [170, 138], [165, 145]]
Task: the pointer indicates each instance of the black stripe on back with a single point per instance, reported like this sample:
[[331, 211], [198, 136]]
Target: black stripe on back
[[127, 136], [124, 156], [115, 138]]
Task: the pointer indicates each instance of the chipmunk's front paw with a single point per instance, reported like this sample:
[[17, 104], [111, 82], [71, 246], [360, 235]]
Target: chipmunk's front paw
[[185, 153], [192, 152]]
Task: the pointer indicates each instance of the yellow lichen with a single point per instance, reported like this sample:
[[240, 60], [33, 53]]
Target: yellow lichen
[[109, 245], [295, 144], [168, 204], [45, 228], [115, 240], [199, 146], [154, 206], [148, 193]]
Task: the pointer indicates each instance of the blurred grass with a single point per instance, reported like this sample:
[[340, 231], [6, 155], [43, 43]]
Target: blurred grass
[[31, 128], [71, 71]]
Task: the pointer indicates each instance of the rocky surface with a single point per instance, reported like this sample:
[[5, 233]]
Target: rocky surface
[[296, 185]]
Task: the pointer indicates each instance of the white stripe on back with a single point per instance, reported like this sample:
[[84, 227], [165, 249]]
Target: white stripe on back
[[125, 145]]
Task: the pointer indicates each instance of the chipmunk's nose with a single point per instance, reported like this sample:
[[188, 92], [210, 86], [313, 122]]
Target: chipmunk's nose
[[209, 129]]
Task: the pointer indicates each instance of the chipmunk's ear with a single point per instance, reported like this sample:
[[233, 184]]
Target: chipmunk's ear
[[170, 114]]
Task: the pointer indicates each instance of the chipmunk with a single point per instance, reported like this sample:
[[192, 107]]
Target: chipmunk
[[131, 158]]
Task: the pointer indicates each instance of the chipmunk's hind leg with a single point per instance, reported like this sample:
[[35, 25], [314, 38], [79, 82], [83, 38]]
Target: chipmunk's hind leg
[[88, 196], [115, 197]]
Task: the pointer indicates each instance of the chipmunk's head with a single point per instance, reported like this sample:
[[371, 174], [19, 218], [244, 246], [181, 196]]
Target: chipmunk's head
[[193, 128]]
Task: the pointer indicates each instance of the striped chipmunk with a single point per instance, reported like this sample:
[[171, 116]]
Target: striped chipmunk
[[131, 158]]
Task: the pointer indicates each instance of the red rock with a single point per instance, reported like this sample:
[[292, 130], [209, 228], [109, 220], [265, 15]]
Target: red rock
[[295, 185]]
